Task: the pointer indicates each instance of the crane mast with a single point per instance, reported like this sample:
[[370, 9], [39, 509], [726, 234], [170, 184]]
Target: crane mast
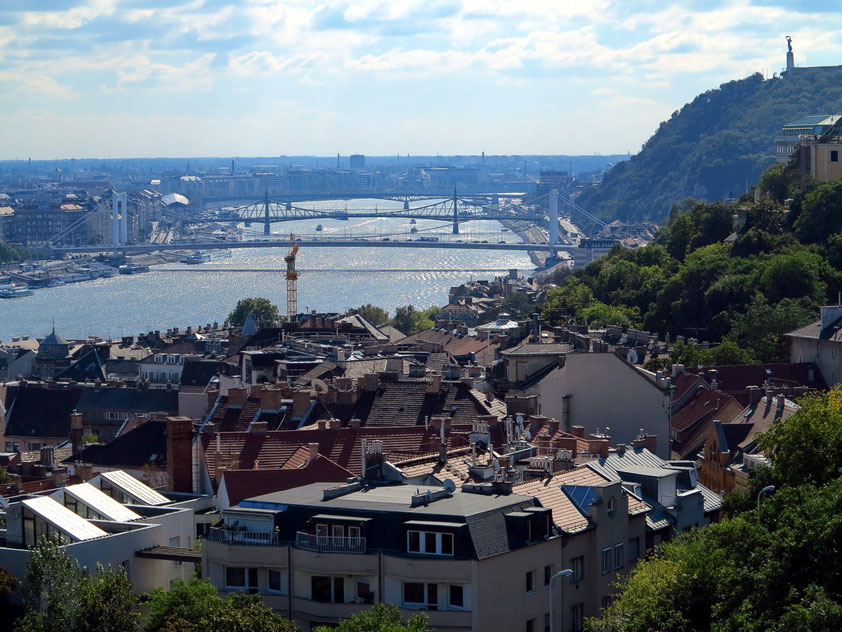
[[292, 279]]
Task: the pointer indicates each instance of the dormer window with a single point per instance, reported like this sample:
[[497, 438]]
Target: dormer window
[[429, 542]]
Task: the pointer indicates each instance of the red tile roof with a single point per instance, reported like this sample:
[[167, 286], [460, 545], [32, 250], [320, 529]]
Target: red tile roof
[[242, 484]]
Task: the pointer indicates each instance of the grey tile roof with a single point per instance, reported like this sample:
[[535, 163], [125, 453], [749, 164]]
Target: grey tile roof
[[814, 331]]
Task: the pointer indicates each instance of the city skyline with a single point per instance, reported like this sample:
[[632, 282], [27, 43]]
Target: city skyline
[[216, 78]]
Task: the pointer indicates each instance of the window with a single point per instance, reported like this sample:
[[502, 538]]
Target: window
[[429, 542], [337, 531], [241, 578], [634, 549], [619, 555], [606, 560], [548, 574], [530, 581], [546, 622], [577, 618], [321, 530], [421, 594], [612, 506], [353, 532], [327, 589], [577, 565], [457, 596], [834, 155], [607, 600], [273, 583], [530, 625]]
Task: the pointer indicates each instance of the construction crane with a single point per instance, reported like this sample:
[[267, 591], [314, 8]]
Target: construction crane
[[292, 279]]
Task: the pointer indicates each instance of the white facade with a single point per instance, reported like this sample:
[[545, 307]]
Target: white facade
[[604, 392]]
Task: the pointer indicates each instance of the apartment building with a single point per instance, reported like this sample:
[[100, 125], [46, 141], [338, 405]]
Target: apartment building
[[477, 558], [112, 520]]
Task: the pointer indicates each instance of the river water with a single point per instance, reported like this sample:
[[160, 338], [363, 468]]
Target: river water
[[332, 279]]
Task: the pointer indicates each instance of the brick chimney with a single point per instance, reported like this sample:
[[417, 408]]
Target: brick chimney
[[553, 425], [314, 452], [259, 427], [237, 396], [754, 394], [300, 402], [180, 454], [598, 446], [76, 431], [270, 398], [648, 441], [84, 471], [434, 387], [567, 443], [578, 431]]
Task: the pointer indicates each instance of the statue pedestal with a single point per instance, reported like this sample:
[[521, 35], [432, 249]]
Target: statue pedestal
[[790, 61]]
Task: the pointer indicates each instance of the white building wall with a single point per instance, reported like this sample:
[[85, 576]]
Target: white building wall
[[606, 392]]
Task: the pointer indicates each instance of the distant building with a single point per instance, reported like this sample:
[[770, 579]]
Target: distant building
[[590, 250], [791, 134], [357, 162], [820, 342]]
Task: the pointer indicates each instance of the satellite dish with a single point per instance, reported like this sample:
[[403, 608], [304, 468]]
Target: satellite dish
[[527, 435], [320, 386], [519, 420], [5, 505], [449, 485]]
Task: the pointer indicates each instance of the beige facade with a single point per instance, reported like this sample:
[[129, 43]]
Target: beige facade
[[825, 164], [601, 391]]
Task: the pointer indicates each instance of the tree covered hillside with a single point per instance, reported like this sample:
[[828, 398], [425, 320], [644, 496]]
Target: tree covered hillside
[[714, 145]]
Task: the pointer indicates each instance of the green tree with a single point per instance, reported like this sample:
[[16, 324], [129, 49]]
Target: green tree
[[51, 589], [373, 314], [410, 320], [820, 215], [4, 476], [191, 601], [517, 305], [566, 303], [195, 605], [808, 447], [106, 603], [265, 313], [762, 327], [379, 618]]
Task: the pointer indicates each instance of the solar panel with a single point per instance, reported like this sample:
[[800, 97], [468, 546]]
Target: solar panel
[[101, 503], [60, 517], [128, 484]]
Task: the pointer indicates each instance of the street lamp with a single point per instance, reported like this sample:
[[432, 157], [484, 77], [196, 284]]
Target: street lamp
[[563, 573], [768, 488]]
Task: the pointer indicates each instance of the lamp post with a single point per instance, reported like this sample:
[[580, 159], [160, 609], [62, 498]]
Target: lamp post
[[768, 488], [563, 573]]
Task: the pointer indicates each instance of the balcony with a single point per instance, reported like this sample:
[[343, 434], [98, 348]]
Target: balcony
[[329, 543], [243, 538]]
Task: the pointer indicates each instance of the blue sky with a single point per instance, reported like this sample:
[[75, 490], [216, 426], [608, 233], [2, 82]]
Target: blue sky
[[125, 78]]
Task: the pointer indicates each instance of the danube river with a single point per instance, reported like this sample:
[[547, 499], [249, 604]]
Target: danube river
[[178, 295]]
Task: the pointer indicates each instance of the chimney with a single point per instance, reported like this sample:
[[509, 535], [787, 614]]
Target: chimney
[[553, 425], [84, 471], [781, 400], [578, 431], [598, 446], [677, 369], [321, 424], [536, 328], [300, 402], [270, 398], [76, 432], [314, 452], [180, 454], [754, 394], [830, 314], [434, 387], [356, 423], [370, 382], [648, 441], [258, 428], [567, 443], [565, 413], [237, 397]]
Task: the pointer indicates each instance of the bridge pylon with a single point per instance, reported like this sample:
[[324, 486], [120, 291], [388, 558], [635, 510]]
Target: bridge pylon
[[267, 227], [455, 213]]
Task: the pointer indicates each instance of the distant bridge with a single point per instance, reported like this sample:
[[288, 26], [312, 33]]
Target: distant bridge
[[398, 196], [454, 209], [317, 243]]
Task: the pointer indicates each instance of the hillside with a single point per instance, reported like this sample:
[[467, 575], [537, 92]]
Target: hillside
[[714, 145]]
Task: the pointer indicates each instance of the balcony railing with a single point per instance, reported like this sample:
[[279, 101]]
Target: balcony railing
[[329, 543], [246, 538]]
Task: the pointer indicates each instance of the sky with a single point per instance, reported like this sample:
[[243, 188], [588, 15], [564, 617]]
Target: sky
[[150, 78]]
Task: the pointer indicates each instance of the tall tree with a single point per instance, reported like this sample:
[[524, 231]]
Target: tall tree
[[379, 618], [373, 314], [264, 311]]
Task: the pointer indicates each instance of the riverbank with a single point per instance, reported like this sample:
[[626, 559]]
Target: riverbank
[[530, 234]]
